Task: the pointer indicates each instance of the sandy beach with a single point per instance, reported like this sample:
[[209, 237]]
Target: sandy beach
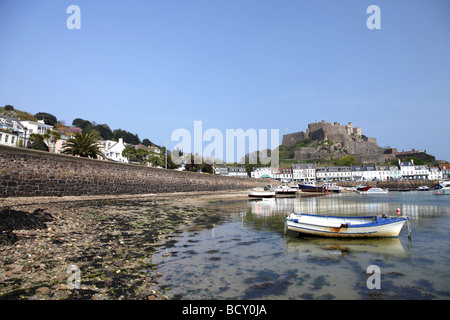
[[104, 242]]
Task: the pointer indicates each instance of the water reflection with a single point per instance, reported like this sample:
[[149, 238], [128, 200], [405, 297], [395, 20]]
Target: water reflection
[[318, 247]]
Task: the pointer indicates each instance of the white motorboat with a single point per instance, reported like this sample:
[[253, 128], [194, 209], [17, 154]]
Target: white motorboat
[[333, 187], [337, 226], [444, 188], [285, 190], [372, 190], [423, 188]]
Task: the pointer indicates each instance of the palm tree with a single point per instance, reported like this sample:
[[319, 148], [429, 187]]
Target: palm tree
[[85, 145], [51, 137]]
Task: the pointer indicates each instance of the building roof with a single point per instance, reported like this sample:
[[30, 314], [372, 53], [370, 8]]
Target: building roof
[[9, 123]]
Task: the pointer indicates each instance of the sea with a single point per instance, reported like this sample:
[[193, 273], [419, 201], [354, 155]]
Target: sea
[[250, 255]]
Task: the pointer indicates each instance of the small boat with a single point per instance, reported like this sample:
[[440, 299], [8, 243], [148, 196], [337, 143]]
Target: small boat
[[363, 188], [444, 188], [423, 188], [260, 193], [333, 187], [311, 187], [337, 226], [404, 189], [372, 190], [285, 190]]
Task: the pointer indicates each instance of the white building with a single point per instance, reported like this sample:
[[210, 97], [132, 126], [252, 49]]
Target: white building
[[389, 173], [113, 150], [11, 131], [261, 172], [282, 174], [304, 172], [237, 172], [38, 127], [333, 173], [9, 138], [435, 173]]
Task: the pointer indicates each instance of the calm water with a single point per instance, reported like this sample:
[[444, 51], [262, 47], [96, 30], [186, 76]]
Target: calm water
[[249, 256]]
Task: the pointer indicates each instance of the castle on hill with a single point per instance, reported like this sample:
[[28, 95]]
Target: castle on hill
[[324, 138]]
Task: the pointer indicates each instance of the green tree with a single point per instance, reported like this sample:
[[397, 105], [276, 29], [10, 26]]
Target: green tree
[[347, 161], [105, 131], [130, 153], [37, 142], [126, 136], [155, 161], [84, 144], [135, 155], [146, 142], [81, 123], [47, 117], [51, 137]]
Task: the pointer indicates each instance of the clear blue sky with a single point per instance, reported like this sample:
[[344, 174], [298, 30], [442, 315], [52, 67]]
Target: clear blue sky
[[153, 66]]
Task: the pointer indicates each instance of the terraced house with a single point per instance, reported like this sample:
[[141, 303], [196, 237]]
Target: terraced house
[[11, 131]]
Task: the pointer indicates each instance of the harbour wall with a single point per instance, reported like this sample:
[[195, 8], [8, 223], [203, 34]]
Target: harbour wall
[[25, 173]]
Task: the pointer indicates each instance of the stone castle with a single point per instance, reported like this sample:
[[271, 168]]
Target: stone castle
[[333, 138]]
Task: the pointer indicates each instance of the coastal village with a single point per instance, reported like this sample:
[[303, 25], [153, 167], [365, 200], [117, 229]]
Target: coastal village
[[346, 140]]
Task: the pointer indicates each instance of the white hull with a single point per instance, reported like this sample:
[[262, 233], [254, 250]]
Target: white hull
[[373, 191], [332, 226], [261, 194]]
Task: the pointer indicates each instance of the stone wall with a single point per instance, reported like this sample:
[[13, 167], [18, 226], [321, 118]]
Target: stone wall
[[25, 172], [293, 138]]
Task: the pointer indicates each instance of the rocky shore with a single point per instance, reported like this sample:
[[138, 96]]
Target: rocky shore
[[94, 248]]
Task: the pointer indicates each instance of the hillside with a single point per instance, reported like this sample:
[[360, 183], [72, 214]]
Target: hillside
[[324, 141], [18, 114]]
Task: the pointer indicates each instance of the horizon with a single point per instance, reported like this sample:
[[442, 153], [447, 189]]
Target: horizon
[[151, 68]]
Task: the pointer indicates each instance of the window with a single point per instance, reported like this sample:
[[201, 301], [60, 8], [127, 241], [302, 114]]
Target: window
[[6, 138]]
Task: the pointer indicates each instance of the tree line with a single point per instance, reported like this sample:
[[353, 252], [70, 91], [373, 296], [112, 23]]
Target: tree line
[[102, 131]]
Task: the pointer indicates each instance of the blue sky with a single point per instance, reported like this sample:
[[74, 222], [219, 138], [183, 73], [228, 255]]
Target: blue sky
[[153, 66]]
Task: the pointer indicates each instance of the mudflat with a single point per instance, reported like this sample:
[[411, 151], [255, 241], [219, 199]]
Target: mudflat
[[94, 247]]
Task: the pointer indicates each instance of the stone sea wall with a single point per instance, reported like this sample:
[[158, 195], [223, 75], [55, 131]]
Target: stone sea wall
[[25, 172]]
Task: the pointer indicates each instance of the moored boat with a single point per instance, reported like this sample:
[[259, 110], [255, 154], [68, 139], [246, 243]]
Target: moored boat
[[285, 190], [260, 193], [423, 188], [444, 188], [337, 226], [333, 187], [372, 191], [311, 187]]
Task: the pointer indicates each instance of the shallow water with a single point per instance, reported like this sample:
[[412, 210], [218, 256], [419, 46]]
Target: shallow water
[[249, 256]]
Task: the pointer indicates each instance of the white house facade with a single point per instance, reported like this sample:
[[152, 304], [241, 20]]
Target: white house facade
[[261, 172], [304, 172], [38, 127], [113, 150]]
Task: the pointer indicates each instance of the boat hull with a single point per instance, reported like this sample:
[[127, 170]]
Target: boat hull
[[261, 194], [307, 188], [345, 227]]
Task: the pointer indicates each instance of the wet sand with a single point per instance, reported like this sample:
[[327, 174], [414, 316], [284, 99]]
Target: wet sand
[[110, 240]]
